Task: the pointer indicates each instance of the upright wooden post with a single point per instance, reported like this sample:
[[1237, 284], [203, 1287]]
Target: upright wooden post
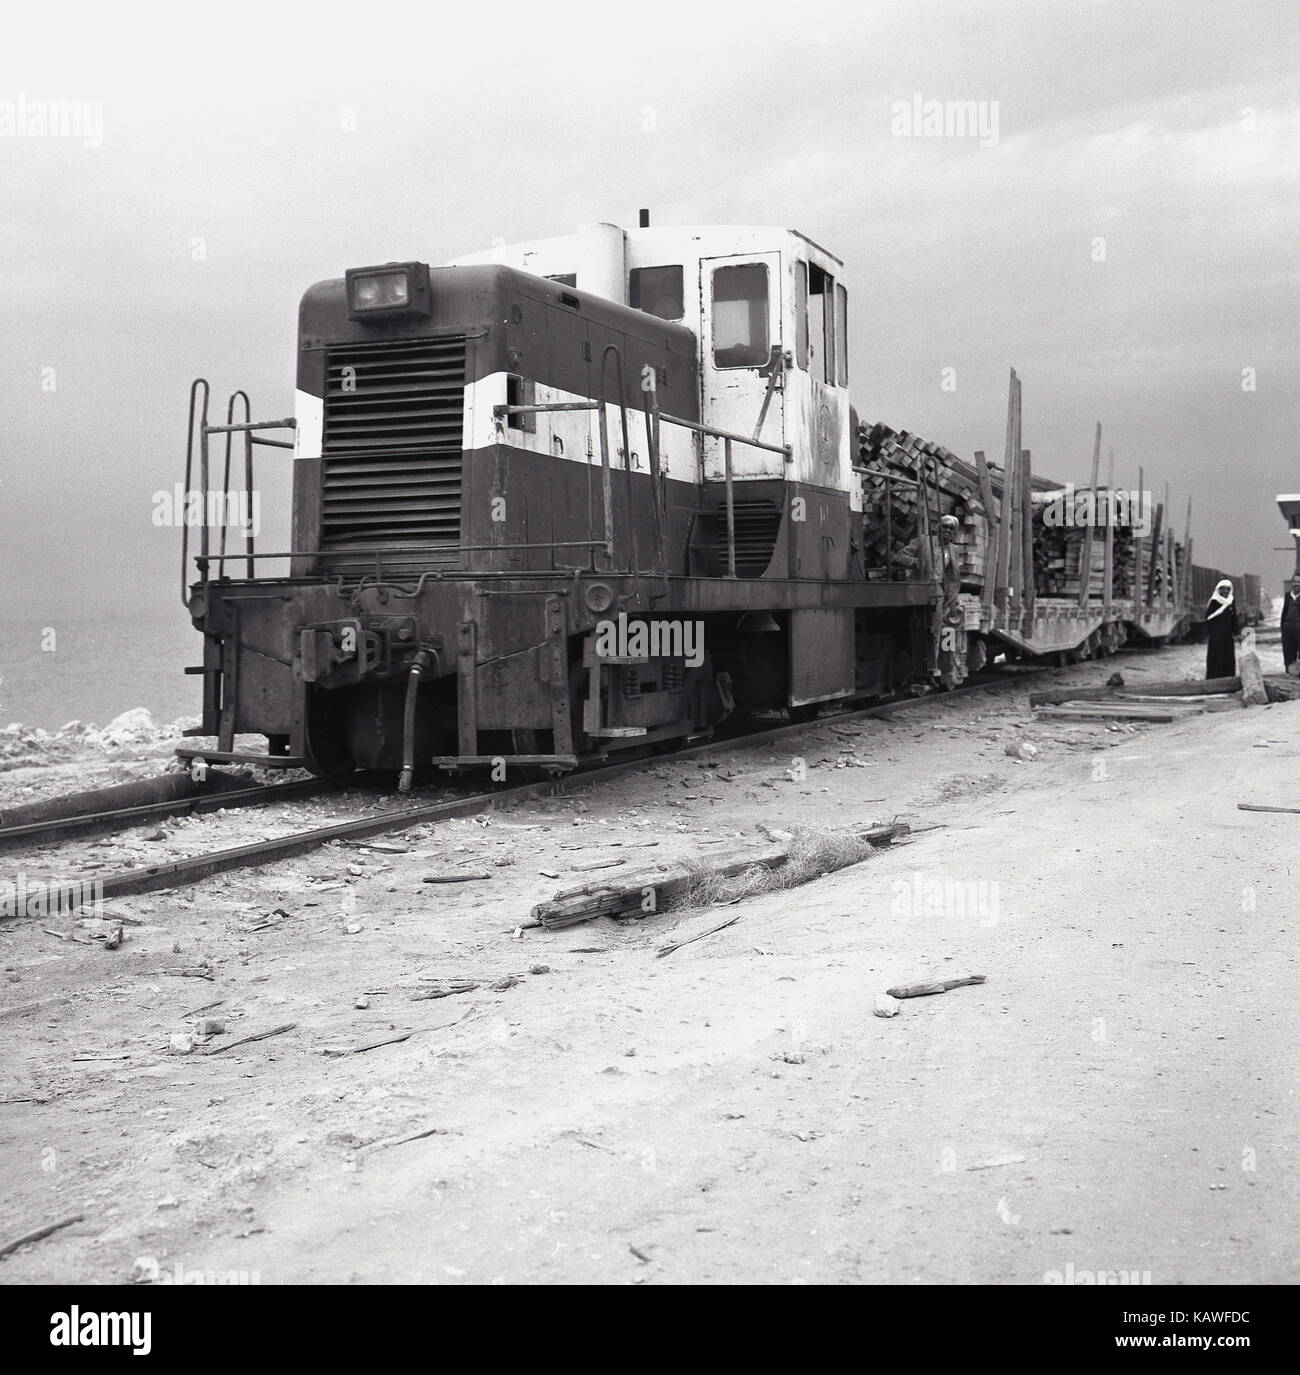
[[1167, 590], [1135, 591], [990, 525], [1027, 524], [1085, 572], [1157, 535], [1109, 566], [1004, 521], [1185, 569]]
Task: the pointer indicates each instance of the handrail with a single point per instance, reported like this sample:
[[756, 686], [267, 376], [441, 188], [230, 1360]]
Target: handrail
[[189, 469], [248, 428]]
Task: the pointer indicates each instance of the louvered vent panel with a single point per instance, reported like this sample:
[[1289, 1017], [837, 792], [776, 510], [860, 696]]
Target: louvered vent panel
[[394, 417]]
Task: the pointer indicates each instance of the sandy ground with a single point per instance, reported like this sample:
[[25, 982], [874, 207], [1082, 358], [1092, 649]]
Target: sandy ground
[[1119, 1095]]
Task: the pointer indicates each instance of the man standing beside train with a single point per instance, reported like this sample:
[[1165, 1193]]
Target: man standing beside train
[[1291, 628]]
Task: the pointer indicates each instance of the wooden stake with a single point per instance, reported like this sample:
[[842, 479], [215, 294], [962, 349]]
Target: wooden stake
[[1109, 565], [1085, 569], [991, 527], [1004, 521]]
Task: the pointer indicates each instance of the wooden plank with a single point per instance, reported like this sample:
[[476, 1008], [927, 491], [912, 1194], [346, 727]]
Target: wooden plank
[[1099, 711], [1165, 688]]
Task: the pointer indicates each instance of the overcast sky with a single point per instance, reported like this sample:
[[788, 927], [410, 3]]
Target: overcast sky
[[248, 150]]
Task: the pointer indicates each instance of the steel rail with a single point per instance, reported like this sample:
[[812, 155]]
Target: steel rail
[[179, 873]]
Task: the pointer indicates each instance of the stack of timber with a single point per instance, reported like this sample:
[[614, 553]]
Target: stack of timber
[[896, 462]]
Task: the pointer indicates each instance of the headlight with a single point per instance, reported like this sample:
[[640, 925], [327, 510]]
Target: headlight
[[392, 289]]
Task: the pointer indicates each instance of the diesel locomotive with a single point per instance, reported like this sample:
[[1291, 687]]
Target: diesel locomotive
[[568, 497], [554, 500]]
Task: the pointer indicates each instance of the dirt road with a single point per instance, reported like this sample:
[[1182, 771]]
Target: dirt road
[[1119, 1096]]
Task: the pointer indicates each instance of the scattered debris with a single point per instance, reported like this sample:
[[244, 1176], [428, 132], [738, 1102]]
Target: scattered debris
[[539, 968], [1022, 749], [368, 1045], [40, 1233], [1259, 807], [259, 1036], [886, 1005], [445, 990], [144, 1270], [362, 1003], [509, 981], [181, 1043], [402, 1140], [472, 876], [639, 1254], [713, 930], [922, 990], [997, 1161], [208, 1026], [584, 865]]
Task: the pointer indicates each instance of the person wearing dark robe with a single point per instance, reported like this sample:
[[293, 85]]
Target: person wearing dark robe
[[1291, 626], [1222, 627]]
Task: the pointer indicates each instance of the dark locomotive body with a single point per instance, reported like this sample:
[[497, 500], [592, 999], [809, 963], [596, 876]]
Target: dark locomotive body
[[455, 513]]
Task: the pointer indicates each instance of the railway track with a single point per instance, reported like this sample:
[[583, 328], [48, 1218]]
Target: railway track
[[73, 893]]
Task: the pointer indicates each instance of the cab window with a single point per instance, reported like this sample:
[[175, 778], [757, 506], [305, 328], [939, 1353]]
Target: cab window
[[842, 334], [740, 338], [658, 291], [821, 323], [801, 314]]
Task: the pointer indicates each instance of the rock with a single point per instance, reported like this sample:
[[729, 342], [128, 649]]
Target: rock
[[114, 939], [158, 834], [502, 984], [886, 1006], [181, 1044], [127, 728], [169, 1201], [208, 1026], [1022, 749], [362, 1003], [539, 968], [144, 1270], [352, 928], [1115, 680]]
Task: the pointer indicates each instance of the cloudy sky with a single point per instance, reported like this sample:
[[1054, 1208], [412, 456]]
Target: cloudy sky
[[1128, 243]]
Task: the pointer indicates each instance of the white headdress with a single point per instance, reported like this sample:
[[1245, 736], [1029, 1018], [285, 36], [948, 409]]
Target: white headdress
[[1222, 596]]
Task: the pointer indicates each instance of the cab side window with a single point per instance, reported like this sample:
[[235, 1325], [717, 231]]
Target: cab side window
[[821, 323], [658, 291], [801, 314], [842, 334], [740, 334]]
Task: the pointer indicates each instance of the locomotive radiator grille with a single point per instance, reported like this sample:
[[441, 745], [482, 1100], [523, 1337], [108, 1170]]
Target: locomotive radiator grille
[[757, 524], [394, 417]]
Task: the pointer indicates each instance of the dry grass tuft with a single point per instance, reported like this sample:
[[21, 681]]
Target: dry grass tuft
[[814, 851]]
